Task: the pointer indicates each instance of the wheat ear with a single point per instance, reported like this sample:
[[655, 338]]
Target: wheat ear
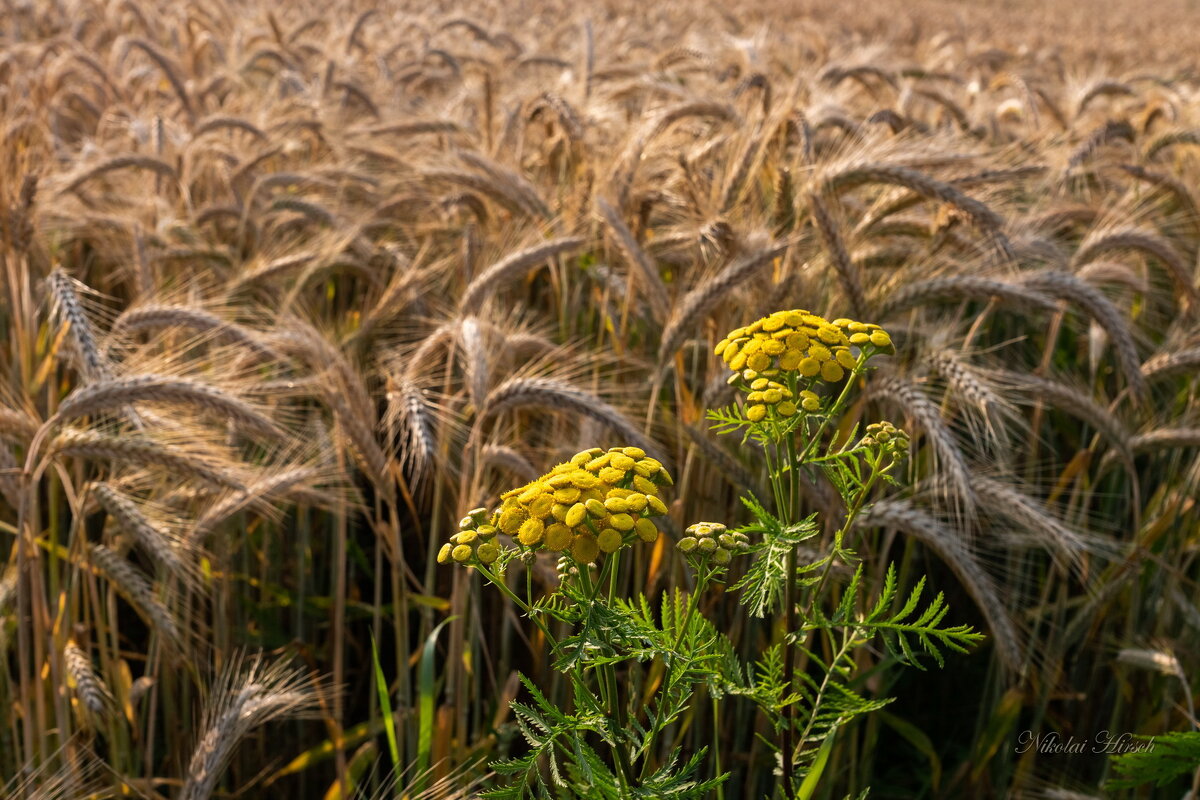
[[696, 304], [137, 591], [242, 698], [847, 271], [135, 449], [509, 267], [949, 457], [1148, 243], [154, 317], [656, 290], [963, 287], [112, 393], [89, 687], [518, 392], [64, 293], [1066, 286], [132, 521]]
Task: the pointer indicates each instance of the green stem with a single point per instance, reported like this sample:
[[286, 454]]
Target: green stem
[[702, 576], [716, 745], [528, 609], [851, 514], [786, 511]]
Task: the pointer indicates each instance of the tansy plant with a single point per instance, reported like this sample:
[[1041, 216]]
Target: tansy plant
[[633, 673]]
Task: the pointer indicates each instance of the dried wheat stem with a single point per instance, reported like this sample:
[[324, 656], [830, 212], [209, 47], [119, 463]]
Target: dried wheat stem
[[847, 271], [655, 289]]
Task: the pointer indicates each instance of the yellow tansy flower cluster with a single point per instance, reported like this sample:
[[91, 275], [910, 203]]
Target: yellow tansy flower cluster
[[597, 502], [801, 342], [712, 539], [475, 538], [887, 436]]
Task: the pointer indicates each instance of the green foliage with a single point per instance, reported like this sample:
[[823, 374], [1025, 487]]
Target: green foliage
[[896, 630], [762, 585], [1165, 759]]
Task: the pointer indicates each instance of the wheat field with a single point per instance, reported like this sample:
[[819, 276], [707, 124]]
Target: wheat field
[[288, 288]]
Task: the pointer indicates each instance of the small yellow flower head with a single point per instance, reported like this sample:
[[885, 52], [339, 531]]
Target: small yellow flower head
[[609, 540], [444, 554], [756, 412], [646, 530], [531, 532], [558, 537], [622, 522], [461, 552], [511, 517], [616, 505], [645, 485], [584, 549], [488, 552], [575, 515], [832, 372]]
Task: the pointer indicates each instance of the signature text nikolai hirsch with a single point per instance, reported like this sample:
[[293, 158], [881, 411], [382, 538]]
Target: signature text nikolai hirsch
[[1104, 742]]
